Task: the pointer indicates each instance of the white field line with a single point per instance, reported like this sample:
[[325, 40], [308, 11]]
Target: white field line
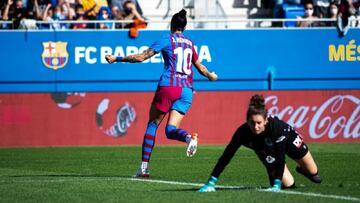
[[310, 194], [243, 187]]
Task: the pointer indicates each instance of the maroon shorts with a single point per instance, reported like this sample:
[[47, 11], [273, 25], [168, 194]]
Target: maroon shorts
[[176, 98]]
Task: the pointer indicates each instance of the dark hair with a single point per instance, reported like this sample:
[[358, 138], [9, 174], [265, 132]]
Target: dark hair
[[127, 2], [256, 107], [178, 21]]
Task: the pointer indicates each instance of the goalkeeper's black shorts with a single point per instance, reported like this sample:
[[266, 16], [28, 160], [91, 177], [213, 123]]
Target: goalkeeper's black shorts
[[295, 149], [295, 146]]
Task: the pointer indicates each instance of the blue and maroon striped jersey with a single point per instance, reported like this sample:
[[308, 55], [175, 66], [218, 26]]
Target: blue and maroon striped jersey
[[179, 55]]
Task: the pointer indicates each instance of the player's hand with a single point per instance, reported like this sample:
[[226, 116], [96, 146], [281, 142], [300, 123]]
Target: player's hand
[[110, 58], [276, 187], [212, 76], [209, 186]]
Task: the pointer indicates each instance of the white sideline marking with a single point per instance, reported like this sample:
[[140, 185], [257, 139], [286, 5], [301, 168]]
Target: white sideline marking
[[338, 197], [321, 195], [243, 187]]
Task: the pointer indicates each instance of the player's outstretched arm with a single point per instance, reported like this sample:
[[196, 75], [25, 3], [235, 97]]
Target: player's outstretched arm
[[205, 72], [132, 58]]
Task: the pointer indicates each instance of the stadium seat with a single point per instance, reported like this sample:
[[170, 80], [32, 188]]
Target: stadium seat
[[292, 12]]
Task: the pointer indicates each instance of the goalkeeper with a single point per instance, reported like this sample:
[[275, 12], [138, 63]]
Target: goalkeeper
[[270, 138]]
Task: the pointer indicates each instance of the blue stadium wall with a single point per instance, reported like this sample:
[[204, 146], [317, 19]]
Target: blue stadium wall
[[56, 88], [273, 59]]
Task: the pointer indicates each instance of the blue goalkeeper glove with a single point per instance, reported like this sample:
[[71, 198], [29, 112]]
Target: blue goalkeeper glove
[[209, 186], [276, 187]]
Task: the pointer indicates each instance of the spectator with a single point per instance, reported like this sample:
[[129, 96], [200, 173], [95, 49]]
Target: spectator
[[14, 12], [52, 15], [131, 13], [62, 12], [92, 7], [68, 8], [104, 14], [58, 13], [28, 21], [47, 16], [80, 16], [38, 13], [347, 11], [309, 14], [333, 12], [120, 4], [117, 15], [356, 15], [321, 8], [39, 8]]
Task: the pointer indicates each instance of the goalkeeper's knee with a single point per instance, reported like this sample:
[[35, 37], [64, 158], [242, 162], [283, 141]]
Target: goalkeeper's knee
[[288, 187]]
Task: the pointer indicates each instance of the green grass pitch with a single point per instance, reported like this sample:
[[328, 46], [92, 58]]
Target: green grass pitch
[[103, 174]]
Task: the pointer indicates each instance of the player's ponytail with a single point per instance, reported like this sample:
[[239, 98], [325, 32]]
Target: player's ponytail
[[179, 21], [256, 107]]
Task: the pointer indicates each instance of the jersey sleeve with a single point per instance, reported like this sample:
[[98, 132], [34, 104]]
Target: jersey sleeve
[[160, 44], [229, 152], [279, 136]]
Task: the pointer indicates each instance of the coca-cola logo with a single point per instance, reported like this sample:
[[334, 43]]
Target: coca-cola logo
[[337, 116], [125, 116]]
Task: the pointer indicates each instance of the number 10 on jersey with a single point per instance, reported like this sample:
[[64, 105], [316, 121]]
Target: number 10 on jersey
[[183, 65]]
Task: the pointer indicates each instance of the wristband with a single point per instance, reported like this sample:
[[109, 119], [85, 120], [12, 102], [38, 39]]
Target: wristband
[[119, 58]]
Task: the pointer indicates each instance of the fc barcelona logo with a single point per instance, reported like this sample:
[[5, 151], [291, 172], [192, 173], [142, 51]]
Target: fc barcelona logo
[[55, 55]]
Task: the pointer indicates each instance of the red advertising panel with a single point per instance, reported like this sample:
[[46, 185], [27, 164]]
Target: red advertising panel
[[73, 119]]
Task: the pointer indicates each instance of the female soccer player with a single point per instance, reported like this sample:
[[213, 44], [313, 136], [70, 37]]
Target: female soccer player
[[271, 139], [175, 88]]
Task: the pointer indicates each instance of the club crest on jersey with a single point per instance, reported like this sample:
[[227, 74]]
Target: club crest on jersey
[[54, 55]]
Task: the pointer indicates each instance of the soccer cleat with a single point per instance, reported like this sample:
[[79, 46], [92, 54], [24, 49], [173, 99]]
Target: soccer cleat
[[207, 188], [276, 186], [142, 173], [314, 178], [192, 147]]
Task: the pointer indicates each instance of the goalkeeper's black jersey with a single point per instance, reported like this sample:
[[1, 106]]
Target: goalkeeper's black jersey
[[270, 146]]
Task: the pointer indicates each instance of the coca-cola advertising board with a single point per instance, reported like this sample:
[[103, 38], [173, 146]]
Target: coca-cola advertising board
[[100, 119]]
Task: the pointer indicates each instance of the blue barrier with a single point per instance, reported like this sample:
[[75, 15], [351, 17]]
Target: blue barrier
[[244, 60], [292, 12]]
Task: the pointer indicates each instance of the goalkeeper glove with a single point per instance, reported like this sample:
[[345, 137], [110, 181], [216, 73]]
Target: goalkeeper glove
[[276, 187], [209, 186]]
